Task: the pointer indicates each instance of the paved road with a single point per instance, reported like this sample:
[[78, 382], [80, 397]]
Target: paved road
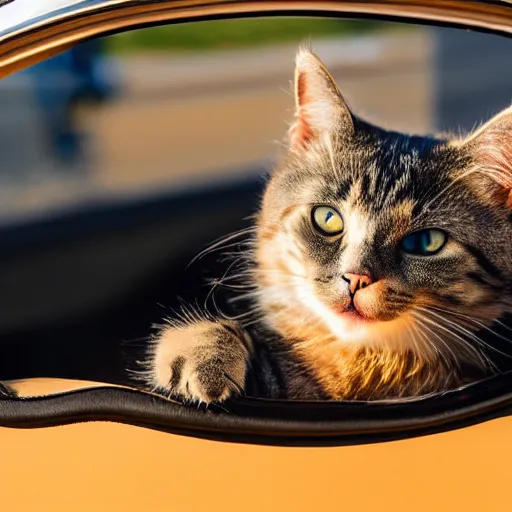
[[473, 77], [180, 119], [176, 122]]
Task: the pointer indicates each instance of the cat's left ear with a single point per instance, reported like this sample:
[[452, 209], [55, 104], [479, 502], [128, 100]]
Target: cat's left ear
[[319, 105], [490, 149]]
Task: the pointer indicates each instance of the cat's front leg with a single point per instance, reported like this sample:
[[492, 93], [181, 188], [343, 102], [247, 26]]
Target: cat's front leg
[[204, 361]]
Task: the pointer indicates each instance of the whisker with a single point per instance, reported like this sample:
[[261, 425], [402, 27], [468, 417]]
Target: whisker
[[470, 349], [476, 322], [441, 340], [472, 337], [220, 243]]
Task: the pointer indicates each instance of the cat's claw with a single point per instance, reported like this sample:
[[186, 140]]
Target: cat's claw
[[204, 362]]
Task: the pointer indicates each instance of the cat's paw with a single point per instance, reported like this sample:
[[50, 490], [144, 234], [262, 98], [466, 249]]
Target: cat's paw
[[203, 362]]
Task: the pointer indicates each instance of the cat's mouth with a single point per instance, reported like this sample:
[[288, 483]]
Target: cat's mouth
[[352, 315], [356, 324]]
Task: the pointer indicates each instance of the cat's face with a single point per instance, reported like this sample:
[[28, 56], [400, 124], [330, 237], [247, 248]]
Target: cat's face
[[367, 237]]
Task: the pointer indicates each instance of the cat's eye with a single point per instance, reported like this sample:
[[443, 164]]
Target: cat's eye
[[426, 242], [327, 220]]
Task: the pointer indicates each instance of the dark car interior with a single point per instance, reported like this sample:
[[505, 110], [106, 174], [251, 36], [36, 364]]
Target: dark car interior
[[85, 288]]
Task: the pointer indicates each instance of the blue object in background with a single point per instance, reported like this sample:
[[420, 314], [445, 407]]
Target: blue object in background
[[61, 83]]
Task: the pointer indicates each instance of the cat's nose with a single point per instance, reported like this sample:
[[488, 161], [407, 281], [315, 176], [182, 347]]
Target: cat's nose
[[356, 281]]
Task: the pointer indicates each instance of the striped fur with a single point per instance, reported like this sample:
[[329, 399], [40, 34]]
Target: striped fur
[[424, 323]]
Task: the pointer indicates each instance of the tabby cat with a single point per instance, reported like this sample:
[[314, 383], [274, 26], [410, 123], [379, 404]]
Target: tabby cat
[[380, 260]]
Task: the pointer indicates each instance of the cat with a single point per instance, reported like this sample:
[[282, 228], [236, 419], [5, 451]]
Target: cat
[[379, 261]]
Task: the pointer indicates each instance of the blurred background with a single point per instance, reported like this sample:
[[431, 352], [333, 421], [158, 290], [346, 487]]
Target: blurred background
[[160, 108]]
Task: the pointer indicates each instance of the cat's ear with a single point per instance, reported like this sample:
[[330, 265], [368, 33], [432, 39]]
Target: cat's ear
[[490, 148], [319, 105]]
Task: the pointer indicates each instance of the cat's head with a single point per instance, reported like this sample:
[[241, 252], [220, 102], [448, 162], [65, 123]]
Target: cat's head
[[370, 237]]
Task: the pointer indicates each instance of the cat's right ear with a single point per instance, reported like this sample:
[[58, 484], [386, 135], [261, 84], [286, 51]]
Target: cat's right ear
[[491, 150], [319, 105]]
